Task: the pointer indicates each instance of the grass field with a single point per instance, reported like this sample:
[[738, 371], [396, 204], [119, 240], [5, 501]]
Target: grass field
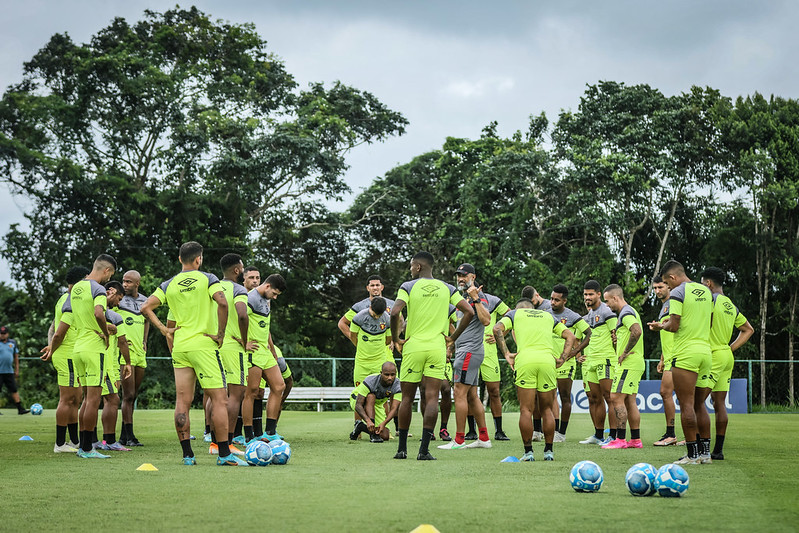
[[332, 484]]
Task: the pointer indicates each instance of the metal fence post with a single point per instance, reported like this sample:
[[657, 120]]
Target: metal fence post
[[333, 372], [749, 385]]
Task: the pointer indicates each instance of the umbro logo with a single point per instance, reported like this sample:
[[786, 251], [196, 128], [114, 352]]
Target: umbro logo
[[728, 306], [187, 282], [698, 292], [430, 289], [77, 290]]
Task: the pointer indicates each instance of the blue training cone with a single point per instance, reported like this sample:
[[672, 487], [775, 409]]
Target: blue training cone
[[510, 459], [26, 437]]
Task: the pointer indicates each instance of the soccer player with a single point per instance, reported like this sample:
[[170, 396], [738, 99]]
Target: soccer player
[[87, 302], [69, 390], [534, 368], [424, 349], [565, 373], [198, 334], [369, 401], [726, 319], [118, 355], [630, 350], [263, 360], [600, 362], [9, 368], [374, 286], [662, 292], [539, 302], [252, 278], [690, 314], [370, 334], [236, 345], [136, 329], [468, 350]]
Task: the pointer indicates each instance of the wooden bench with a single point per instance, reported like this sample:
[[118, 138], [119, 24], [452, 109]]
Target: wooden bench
[[321, 395]]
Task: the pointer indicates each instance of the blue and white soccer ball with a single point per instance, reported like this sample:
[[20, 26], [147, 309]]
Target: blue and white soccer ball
[[258, 453], [640, 479], [281, 452], [36, 409], [586, 476], [671, 481]]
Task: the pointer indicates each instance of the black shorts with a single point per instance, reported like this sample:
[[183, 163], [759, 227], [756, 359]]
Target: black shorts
[[8, 381]]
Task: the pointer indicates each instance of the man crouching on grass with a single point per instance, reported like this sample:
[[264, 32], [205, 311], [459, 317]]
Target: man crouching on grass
[[368, 400]]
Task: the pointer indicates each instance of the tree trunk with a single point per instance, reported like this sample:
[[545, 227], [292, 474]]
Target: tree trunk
[[674, 202], [791, 340]]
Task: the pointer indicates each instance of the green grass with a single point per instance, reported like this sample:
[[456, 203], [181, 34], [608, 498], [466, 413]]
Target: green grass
[[332, 484]]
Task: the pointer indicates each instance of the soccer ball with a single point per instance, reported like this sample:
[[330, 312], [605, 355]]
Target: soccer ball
[[258, 453], [586, 476], [671, 481], [281, 452], [640, 479], [36, 409]]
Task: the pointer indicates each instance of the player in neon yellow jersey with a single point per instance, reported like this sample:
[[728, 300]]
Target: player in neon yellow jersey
[[70, 393], [629, 341], [690, 315], [88, 304], [374, 287], [198, 334], [375, 402], [118, 356], [534, 368], [662, 293], [726, 319], [263, 359], [236, 346], [424, 349], [136, 330], [600, 363], [370, 334], [565, 373]]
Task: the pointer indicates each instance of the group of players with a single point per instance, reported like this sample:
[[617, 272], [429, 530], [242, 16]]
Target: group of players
[[448, 338], [451, 334], [217, 331]]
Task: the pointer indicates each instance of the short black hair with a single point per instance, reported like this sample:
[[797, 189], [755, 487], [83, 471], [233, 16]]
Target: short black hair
[[528, 292], [374, 277], [561, 289], [592, 285], [276, 281], [614, 287], [76, 273], [189, 251], [251, 268], [657, 279], [378, 305], [715, 274], [107, 259], [228, 261], [425, 257], [117, 286], [671, 266], [527, 301]]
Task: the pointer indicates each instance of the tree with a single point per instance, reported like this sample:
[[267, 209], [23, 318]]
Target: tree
[[762, 135], [173, 128]]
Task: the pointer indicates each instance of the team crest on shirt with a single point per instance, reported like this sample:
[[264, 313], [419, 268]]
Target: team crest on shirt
[[596, 318], [563, 321], [382, 326]]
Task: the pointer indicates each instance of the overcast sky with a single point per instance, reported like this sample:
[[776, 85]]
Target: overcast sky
[[453, 67]]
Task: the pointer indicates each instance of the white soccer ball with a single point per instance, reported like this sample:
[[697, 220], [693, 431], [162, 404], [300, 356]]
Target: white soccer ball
[[586, 476], [640, 479], [36, 409], [281, 452], [671, 481], [258, 453]]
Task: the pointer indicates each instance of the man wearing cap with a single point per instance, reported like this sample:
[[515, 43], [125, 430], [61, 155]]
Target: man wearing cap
[[9, 368], [468, 350]]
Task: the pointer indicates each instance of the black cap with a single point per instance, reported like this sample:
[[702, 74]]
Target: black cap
[[465, 268], [3, 330]]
